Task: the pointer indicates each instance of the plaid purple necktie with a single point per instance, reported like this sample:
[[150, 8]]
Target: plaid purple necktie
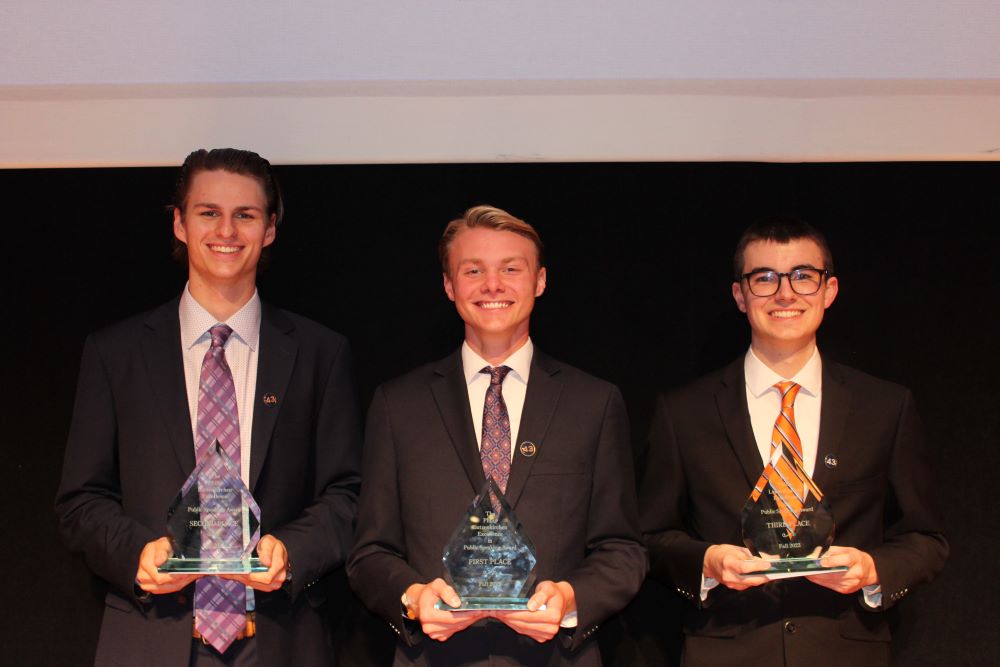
[[220, 607], [495, 448]]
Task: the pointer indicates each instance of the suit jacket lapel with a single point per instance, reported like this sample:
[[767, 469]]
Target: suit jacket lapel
[[275, 360], [451, 394], [544, 388], [731, 402], [835, 406], [161, 352]]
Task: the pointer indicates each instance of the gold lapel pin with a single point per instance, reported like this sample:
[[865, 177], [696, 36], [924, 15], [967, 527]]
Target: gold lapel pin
[[527, 448], [270, 399]]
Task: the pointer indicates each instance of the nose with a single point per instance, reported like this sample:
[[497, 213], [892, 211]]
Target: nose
[[225, 227], [493, 282], [785, 291]]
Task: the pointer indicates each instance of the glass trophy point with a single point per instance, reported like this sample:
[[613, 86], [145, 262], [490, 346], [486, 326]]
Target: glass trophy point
[[489, 561], [792, 552], [209, 521]]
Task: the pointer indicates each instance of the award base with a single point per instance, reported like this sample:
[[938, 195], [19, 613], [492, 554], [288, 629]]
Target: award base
[[787, 568], [485, 604], [212, 566]]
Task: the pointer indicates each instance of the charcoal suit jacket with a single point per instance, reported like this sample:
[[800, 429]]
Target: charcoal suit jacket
[[131, 448], [702, 462], [573, 492]]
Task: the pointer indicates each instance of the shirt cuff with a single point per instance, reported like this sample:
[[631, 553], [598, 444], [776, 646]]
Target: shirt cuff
[[872, 595], [569, 620], [707, 584]]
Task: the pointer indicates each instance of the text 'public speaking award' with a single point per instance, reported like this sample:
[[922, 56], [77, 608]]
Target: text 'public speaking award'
[[214, 524], [786, 521], [489, 561]]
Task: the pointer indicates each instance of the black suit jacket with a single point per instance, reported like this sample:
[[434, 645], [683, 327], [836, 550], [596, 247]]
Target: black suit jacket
[[702, 463], [130, 449], [575, 498]]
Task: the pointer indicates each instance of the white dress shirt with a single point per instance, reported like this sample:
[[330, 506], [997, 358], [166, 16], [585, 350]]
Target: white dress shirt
[[764, 403], [241, 355], [515, 386]]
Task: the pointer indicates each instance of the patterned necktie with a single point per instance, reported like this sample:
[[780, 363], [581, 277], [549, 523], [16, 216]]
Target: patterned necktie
[[219, 605], [495, 448], [784, 471]]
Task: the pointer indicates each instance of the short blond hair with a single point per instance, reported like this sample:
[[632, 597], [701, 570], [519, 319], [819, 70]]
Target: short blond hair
[[487, 217]]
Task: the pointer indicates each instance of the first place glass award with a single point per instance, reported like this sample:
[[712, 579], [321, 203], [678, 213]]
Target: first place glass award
[[786, 522], [214, 523], [489, 561]]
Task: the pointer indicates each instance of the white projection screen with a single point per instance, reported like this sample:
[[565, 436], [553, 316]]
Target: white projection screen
[[120, 82]]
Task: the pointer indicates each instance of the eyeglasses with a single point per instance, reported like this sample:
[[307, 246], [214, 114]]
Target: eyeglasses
[[803, 281]]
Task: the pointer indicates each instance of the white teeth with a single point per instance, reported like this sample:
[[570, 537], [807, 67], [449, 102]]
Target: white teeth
[[786, 313], [494, 305], [227, 249]]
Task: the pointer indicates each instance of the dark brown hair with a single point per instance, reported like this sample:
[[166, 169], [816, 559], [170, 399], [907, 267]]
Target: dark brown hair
[[780, 229], [235, 161]]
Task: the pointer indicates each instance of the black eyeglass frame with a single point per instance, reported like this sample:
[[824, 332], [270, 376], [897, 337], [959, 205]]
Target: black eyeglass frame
[[824, 274]]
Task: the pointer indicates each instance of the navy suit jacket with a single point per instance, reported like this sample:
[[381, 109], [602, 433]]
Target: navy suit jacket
[[702, 463], [574, 495], [130, 449]]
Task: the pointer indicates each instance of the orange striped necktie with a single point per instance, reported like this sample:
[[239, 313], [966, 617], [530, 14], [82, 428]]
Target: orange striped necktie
[[785, 471]]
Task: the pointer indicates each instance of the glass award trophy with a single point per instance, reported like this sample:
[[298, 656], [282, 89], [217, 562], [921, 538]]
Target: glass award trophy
[[786, 522], [489, 561], [211, 519]]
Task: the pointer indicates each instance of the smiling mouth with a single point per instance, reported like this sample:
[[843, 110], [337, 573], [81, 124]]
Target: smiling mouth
[[225, 249], [785, 314], [494, 305]]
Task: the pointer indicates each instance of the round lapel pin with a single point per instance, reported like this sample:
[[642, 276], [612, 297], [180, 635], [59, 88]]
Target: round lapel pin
[[270, 399], [527, 448], [830, 461]]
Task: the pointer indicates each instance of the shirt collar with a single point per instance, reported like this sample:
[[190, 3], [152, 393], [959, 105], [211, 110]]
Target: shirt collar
[[760, 378], [519, 362], [196, 321]]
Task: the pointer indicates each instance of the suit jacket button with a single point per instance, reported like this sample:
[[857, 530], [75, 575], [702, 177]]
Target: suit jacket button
[[790, 627]]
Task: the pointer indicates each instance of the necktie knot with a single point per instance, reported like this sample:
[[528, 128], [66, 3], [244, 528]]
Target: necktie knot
[[497, 374], [220, 334], [789, 390]]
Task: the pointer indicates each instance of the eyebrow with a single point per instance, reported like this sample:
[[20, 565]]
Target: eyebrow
[[237, 208], [794, 268], [504, 260]]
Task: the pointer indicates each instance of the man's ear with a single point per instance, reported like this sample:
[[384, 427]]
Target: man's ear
[[270, 232], [832, 289], [739, 297], [180, 233], [540, 282], [449, 289]]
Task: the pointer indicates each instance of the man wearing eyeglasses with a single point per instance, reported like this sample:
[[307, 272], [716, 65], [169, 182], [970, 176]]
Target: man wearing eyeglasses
[[860, 441]]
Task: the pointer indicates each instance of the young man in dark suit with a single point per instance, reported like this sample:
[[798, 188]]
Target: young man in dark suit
[[158, 390], [861, 443], [561, 455]]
